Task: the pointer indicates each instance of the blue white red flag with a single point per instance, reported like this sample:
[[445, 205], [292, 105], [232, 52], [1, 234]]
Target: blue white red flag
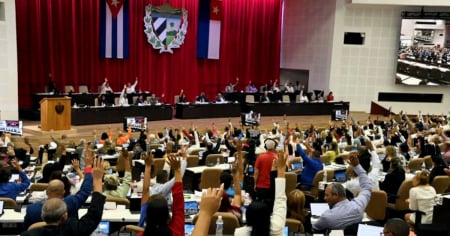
[[209, 23], [114, 28]]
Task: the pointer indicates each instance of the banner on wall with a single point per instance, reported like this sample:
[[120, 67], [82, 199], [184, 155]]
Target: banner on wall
[[114, 25], [209, 23], [165, 27], [11, 126]]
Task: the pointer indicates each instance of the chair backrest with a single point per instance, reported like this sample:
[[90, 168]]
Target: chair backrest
[[428, 162], [68, 88], [286, 99], [210, 178], [8, 202], [376, 209], [195, 151], [294, 226], [158, 163], [132, 228], [250, 98], [37, 225], [415, 164], [230, 223], [212, 159], [291, 181], [192, 160], [441, 183], [319, 177], [402, 195], [83, 89], [38, 187], [118, 201]]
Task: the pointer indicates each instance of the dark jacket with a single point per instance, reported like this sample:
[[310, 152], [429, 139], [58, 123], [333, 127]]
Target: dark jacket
[[392, 183], [72, 226]]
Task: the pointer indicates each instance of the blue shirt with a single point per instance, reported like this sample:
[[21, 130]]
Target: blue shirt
[[11, 189], [310, 167]]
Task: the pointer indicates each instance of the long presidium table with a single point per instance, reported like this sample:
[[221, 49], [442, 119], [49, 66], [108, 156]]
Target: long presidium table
[[194, 111]]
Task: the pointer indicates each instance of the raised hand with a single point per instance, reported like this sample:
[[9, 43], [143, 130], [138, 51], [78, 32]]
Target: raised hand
[[174, 162], [76, 164]]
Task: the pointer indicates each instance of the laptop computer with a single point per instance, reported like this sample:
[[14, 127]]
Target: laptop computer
[[14, 178], [102, 229], [190, 208], [188, 228], [1, 207], [340, 176], [317, 209], [296, 166], [369, 230]]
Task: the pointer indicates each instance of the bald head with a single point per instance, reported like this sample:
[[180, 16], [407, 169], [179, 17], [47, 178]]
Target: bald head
[[55, 189], [54, 211]]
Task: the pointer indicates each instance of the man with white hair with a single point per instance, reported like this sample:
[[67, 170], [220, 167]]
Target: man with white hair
[[263, 166]]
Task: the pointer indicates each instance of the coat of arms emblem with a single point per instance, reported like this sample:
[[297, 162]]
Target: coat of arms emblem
[[165, 26]]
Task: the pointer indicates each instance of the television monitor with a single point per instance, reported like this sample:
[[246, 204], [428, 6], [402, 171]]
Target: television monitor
[[12, 126], [250, 118], [137, 123], [339, 114], [424, 49]]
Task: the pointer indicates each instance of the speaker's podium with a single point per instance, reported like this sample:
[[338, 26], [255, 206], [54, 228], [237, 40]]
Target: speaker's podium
[[56, 113]]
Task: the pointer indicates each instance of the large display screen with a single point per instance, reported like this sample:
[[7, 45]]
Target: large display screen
[[424, 53]]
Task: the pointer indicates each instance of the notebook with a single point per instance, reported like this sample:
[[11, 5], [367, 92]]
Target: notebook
[[190, 208], [318, 208], [369, 230]]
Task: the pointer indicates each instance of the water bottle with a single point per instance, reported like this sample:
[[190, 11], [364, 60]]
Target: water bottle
[[218, 160], [219, 226], [142, 177]]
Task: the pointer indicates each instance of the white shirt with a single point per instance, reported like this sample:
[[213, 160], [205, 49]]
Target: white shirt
[[278, 218], [131, 89]]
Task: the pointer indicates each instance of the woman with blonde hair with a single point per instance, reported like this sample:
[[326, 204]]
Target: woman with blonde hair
[[421, 198], [296, 208]]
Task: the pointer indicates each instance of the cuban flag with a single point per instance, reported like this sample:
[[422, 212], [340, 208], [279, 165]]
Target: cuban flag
[[209, 22], [114, 29]]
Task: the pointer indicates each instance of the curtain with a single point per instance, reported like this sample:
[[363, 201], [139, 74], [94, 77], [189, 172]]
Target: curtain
[[62, 38]]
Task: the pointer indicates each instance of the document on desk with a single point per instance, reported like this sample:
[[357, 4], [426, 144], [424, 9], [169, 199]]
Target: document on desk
[[317, 209]]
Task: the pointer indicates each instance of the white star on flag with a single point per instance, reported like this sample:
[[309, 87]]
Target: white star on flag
[[216, 10], [115, 2]]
